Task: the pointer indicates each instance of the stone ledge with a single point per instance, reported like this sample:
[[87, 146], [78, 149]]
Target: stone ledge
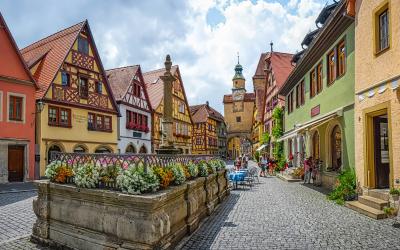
[[81, 218], [287, 178]]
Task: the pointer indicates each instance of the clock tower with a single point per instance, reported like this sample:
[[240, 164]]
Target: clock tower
[[238, 111], [239, 82]]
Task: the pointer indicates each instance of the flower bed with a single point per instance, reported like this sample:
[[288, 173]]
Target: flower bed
[[119, 204]]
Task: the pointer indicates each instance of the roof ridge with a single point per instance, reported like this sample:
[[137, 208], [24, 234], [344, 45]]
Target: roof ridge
[[129, 66], [154, 70], [35, 45]]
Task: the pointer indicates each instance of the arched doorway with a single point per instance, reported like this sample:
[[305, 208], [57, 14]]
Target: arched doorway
[[130, 149], [102, 150], [315, 146], [336, 148], [143, 150], [53, 148], [80, 149]]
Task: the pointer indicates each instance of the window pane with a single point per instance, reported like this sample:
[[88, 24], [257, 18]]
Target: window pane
[[64, 79], [99, 122], [107, 122], [90, 120], [83, 45], [83, 87], [52, 115], [64, 117]]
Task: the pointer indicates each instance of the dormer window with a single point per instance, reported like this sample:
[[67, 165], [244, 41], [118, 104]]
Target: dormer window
[[83, 45]]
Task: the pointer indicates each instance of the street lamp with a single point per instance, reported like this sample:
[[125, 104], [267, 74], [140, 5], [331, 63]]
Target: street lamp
[[39, 106]]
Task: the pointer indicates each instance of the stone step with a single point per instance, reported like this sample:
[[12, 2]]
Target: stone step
[[379, 194], [365, 210], [373, 202]]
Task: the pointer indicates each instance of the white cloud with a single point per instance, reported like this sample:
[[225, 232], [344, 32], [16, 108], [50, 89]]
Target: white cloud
[[143, 32], [249, 28]]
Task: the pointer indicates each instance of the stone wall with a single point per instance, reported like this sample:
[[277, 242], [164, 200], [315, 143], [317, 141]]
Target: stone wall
[[100, 219]]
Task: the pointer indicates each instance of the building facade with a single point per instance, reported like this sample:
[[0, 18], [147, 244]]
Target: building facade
[[277, 66], [259, 85], [222, 139], [17, 112], [238, 114], [206, 129], [182, 127], [80, 113], [377, 108], [134, 125], [319, 113]]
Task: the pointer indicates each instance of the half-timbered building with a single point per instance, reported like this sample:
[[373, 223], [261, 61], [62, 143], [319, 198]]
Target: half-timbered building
[[182, 127], [80, 113], [17, 112], [206, 124], [128, 87]]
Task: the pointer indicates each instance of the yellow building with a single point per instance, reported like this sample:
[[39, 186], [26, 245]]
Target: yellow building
[[238, 114], [377, 107], [80, 113], [182, 128], [205, 129]]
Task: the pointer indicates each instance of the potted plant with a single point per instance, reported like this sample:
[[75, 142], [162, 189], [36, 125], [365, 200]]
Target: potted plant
[[394, 192], [391, 212]]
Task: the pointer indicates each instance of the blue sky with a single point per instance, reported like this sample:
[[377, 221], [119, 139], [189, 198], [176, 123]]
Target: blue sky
[[202, 36]]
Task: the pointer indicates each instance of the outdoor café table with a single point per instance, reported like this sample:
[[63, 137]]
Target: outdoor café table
[[237, 176]]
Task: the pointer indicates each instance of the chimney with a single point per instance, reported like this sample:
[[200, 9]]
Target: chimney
[[208, 105]]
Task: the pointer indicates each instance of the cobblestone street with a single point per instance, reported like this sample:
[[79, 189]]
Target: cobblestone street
[[273, 215], [281, 215]]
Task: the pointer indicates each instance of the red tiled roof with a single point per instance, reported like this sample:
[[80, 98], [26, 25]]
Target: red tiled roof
[[120, 79], [281, 66], [201, 112], [14, 45], [248, 97], [155, 86], [54, 50]]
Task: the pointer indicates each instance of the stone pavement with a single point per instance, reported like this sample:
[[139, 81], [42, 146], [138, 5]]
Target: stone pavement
[[16, 187], [273, 215], [281, 215]]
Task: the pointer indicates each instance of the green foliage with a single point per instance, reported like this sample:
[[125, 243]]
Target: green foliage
[[193, 170], [257, 156], [178, 173], [277, 116], [277, 132], [135, 180], [203, 169], [394, 191], [265, 138], [87, 175], [346, 185]]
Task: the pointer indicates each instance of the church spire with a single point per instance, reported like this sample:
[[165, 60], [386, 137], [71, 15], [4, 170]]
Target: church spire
[[238, 70]]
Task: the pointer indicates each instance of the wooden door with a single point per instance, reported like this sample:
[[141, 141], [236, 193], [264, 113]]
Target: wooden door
[[381, 152], [16, 163]]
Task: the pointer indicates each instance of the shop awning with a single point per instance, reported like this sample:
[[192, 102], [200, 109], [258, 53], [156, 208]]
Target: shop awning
[[313, 122], [261, 147]]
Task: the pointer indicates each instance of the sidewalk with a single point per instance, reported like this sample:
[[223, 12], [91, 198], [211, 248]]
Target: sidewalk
[[15, 187]]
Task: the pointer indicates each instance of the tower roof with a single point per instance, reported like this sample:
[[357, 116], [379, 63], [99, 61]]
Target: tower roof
[[238, 72]]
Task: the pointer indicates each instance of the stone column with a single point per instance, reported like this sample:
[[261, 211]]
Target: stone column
[[167, 146]]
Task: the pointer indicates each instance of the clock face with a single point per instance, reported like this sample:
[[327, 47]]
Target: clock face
[[238, 95]]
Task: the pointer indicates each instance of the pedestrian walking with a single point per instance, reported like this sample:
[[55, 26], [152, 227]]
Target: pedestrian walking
[[307, 170], [263, 165]]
